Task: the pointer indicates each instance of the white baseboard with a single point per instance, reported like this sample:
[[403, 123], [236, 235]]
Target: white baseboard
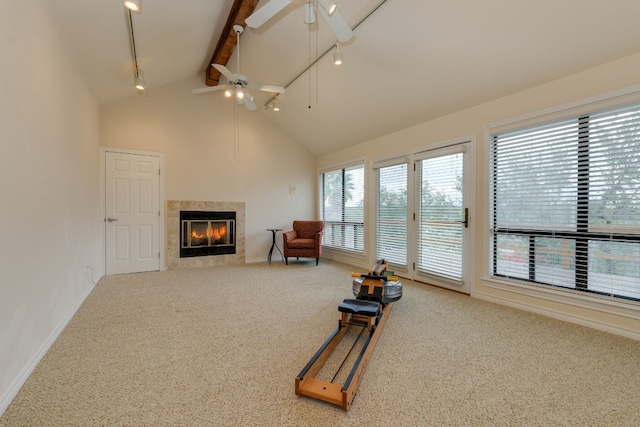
[[612, 329], [7, 396]]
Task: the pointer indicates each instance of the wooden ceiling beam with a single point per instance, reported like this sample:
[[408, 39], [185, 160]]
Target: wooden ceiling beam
[[240, 11]]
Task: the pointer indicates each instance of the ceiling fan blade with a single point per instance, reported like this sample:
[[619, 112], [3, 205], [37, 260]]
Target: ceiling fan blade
[[225, 72], [266, 88], [210, 89], [266, 12], [248, 102], [337, 24]]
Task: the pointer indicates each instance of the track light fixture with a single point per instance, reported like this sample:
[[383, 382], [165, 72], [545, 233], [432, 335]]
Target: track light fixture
[[140, 84], [134, 6], [337, 55], [273, 104], [138, 75]]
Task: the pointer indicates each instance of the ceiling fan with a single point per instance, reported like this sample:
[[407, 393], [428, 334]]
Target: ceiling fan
[[237, 83], [327, 8]]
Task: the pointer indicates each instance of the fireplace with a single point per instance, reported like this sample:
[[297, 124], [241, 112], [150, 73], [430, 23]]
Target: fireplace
[[204, 233], [174, 234]]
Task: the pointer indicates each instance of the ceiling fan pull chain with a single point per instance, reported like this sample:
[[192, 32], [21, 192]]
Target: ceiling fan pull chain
[[310, 63], [238, 31], [317, 31]]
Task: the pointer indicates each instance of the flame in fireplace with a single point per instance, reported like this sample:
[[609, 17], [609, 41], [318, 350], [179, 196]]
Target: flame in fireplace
[[217, 234]]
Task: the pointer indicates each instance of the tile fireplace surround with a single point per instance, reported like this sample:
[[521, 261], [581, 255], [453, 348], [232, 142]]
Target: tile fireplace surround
[[174, 262]]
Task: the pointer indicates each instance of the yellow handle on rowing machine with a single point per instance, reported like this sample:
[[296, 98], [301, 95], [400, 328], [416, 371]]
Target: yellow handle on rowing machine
[[388, 278]]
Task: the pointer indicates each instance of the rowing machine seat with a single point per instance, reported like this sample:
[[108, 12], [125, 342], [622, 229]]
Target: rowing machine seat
[[360, 307]]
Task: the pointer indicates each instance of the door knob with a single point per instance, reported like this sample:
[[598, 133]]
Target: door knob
[[111, 219]]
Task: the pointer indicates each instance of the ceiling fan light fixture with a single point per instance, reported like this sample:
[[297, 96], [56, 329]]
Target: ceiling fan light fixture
[[228, 93], [134, 6], [276, 106], [240, 94]]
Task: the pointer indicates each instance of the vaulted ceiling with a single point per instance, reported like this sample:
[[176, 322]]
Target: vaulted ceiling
[[410, 60]]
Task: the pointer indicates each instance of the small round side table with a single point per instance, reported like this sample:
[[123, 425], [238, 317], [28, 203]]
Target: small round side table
[[274, 231]]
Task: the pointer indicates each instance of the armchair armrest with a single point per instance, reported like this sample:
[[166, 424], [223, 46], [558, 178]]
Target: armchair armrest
[[288, 235]]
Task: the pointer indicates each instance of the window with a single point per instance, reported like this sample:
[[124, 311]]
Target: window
[[343, 208], [565, 200], [391, 221]]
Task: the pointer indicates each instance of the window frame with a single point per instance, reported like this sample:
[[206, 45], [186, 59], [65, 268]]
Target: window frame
[[376, 167], [583, 233], [358, 227]]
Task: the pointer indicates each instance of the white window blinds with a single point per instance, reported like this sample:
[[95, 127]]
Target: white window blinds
[[440, 221], [565, 200], [391, 221], [343, 208]]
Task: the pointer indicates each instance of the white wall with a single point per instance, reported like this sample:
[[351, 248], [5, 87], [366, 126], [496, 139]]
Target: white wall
[[49, 213], [620, 317], [197, 135]]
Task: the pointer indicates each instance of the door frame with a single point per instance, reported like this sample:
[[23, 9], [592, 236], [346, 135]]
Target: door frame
[[103, 204], [471, 189]]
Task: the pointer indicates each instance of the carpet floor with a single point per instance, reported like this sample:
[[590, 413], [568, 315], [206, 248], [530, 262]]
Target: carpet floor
[[221, 347]]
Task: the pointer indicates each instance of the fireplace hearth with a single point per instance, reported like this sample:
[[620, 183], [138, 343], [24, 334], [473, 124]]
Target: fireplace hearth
[[204, 233]]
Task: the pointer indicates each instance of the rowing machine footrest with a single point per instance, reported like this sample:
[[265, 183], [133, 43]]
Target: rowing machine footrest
[[360, 307]]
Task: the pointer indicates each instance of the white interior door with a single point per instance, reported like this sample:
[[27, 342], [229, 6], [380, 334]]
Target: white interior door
[[132, 213]]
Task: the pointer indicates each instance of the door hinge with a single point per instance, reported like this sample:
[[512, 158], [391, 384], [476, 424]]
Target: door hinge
[[414, 216], [414, 266]]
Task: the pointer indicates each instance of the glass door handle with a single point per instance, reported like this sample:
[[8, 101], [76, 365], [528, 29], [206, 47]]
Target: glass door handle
[[466, 218]]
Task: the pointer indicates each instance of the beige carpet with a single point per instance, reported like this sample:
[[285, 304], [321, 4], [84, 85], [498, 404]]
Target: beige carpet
[[222, 346]]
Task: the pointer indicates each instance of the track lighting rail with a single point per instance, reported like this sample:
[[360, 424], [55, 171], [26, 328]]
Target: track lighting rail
[[266, 105]]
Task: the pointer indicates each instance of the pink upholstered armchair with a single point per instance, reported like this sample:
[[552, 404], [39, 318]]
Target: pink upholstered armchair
[[305, 240]]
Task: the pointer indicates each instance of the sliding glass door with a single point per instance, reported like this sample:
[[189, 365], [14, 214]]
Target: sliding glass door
[[422, 215], [442, 217]]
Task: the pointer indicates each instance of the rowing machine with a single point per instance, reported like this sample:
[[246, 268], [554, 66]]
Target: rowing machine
[[369, 310]]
